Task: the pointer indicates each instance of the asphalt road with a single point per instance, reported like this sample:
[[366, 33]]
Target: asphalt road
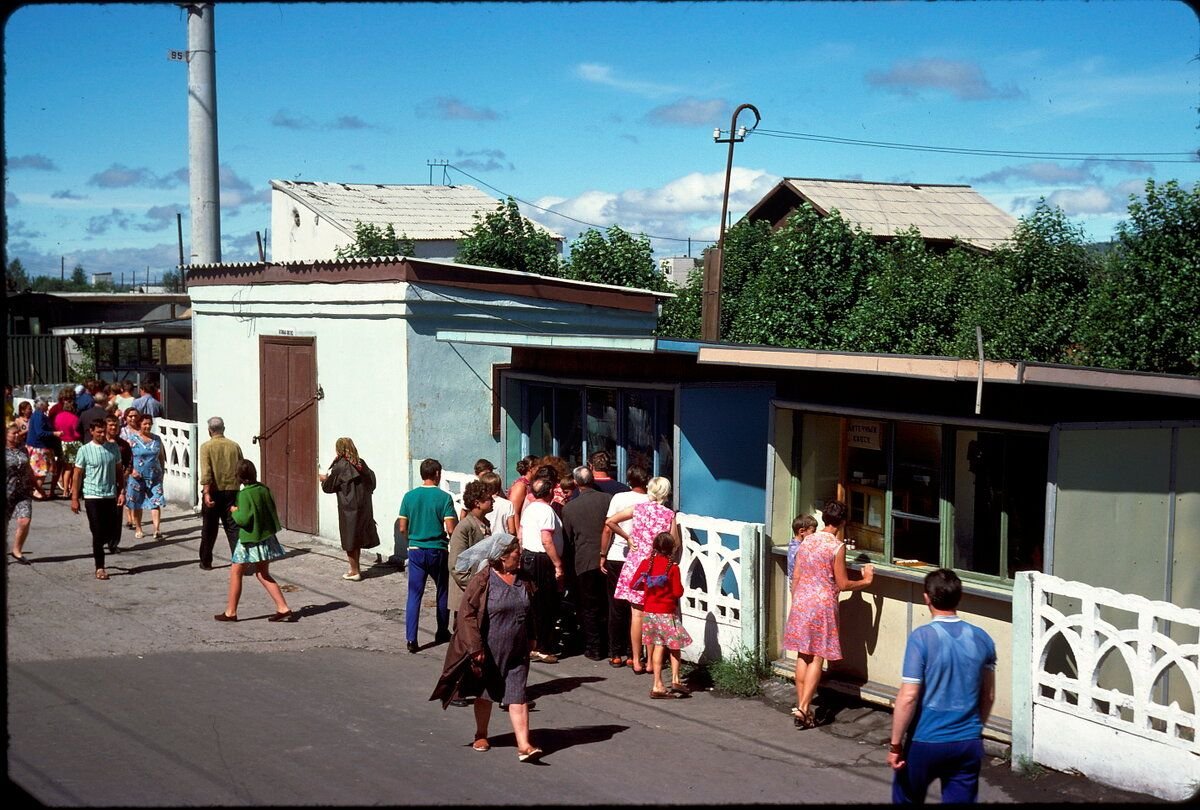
[[127, 693]]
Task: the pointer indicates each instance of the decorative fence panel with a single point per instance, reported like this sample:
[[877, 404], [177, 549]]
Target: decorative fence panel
[[1116, 703], [181, 474], [722, 593], [453, 482]]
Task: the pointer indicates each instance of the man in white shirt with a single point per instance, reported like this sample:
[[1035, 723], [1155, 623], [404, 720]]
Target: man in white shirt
[[542, 560], [612, 560]]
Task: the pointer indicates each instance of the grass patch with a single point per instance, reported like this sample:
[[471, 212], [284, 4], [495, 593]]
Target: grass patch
[[740, 673]]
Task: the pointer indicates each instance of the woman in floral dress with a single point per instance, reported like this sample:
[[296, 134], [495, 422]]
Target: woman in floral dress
[[145, 487], [649, 519], [818, 576]]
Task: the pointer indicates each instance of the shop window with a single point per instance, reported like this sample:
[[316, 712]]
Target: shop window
[[916, 493], [575, 421], [866, 486]]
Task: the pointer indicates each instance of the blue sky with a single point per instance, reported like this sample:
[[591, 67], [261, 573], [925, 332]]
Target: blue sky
[[601, 111]]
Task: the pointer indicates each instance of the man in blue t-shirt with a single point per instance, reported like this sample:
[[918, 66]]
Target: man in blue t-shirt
[[426, 519], [948, 684]]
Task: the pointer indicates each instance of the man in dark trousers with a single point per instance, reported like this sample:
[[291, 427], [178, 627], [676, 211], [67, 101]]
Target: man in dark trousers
[[583, 523], [219, 459], [948, 684]]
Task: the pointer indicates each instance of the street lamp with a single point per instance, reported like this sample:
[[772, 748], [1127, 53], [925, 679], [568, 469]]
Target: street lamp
[[710, 315]]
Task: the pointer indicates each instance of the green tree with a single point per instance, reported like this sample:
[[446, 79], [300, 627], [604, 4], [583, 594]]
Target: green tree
[[680, 317], [172, 281], [504, 238], [371, 241], [1145, 310], [812, 276], [746, 247], [79, 277], [620, 258], [1029, 297], [909, 303], [15, 277]]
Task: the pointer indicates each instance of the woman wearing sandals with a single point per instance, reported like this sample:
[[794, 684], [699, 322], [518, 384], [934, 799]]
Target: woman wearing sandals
[[145, 483], [818, 576], [649, 518], [354, 482], [257, 545], [489, 653]]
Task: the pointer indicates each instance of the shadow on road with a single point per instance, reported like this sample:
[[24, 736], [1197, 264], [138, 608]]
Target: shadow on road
[[316, 610], [553, 740], [559, 685], [141, 569]]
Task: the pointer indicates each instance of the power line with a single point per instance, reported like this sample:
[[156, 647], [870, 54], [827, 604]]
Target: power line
[[689, 240], [1113, 157]]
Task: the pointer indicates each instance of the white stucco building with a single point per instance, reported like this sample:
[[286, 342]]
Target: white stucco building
[[311, 220], [390, 352]]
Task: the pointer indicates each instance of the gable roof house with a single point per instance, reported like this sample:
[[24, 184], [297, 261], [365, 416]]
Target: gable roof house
[[941, 213], [310, 220]]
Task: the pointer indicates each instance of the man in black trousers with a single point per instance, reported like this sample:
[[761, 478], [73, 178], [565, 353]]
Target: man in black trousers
[[583, 523], [219, 458]]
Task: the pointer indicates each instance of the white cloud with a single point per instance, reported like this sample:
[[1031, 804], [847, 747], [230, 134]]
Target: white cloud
[[1088, 200], [603, 74], [690, 112], [688, 206], [963, 80]]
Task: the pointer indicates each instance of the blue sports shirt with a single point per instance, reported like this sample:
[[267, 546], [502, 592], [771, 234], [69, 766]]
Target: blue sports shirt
[[947, 657]]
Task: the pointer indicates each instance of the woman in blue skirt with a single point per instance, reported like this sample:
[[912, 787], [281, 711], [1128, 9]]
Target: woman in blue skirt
[[257, 544]]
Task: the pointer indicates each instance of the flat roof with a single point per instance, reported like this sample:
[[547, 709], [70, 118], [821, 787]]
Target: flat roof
[[426, 271], [950, 369], [168, 327]]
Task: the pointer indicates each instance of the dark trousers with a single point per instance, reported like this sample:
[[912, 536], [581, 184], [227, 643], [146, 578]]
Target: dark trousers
[[956, 764], [423, 564], [592, 600], [546, 598], [214, 516], [619, 614], [104, 519]]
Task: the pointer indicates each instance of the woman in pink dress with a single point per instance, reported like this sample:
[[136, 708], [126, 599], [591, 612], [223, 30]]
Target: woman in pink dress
[[649, 519], [818, 576]]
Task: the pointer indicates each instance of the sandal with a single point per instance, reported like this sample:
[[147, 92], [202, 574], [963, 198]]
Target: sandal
[[158, 535], [101, 573], [532, 753], [481, 744], [642, 670], [802, 719], [138, 534], [664, 695], [679, 689], [616, 662]]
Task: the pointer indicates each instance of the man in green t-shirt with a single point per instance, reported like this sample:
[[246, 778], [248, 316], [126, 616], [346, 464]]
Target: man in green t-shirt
[[100, 478], [426, 520]]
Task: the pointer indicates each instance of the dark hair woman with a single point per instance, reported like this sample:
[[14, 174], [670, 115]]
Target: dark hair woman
[[354, 482], [519, 491], [818, 576], [488, 656], [257, 544]]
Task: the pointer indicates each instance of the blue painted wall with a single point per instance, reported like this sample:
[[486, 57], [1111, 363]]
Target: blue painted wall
[[723, 450]]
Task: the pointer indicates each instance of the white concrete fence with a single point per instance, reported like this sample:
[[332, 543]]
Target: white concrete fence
[[722, 601], [181, 474], [1121, 733]]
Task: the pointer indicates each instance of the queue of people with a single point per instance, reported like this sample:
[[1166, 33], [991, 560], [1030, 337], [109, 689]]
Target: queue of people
[[504, 565]]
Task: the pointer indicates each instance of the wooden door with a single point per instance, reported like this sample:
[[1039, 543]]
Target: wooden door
[[288, 428]]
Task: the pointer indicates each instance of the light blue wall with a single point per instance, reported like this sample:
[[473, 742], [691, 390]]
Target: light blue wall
[[723, 450]]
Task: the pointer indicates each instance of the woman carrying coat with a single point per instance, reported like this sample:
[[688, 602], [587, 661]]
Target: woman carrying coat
[[353, 481], [488, 656]]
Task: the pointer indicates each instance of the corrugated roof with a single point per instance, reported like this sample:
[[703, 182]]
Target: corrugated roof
[[419, 212], [937, 211]]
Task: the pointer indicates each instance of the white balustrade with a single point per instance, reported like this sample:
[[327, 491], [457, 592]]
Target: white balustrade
[[181, 470], [720, 596], [1092, 697]]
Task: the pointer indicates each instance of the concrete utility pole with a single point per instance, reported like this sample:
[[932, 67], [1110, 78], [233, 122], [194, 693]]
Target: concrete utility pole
[[203, 172]]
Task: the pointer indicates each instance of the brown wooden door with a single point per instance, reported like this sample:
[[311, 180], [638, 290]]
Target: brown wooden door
[[288, 427]]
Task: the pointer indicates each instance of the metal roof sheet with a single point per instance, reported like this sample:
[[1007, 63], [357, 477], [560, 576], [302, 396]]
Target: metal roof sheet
[[418, 212], [937, 211]]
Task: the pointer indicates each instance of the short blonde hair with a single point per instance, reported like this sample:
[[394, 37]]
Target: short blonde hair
[[659, 489]]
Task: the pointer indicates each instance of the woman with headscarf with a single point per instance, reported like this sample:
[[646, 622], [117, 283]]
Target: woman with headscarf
[[354, 482], [488, 656]]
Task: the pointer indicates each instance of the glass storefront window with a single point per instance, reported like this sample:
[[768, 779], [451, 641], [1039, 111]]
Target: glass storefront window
[[665, 433], [568, 427], [639, 430], [916, 492], [602, 421]]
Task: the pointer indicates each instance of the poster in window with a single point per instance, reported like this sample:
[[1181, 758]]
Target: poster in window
[[865, 434]]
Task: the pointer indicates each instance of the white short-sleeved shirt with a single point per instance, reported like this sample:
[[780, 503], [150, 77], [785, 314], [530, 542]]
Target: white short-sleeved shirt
[[619, 503], [502, 509], [535, 517]]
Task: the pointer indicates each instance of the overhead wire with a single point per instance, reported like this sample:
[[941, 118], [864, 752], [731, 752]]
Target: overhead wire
[[1113, 157]]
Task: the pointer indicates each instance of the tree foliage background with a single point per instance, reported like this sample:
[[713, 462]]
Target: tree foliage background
[[371, 241]]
